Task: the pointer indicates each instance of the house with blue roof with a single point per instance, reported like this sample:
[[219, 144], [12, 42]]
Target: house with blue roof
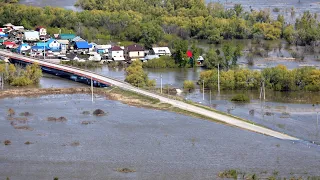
[[51, 44], [23, 47], [82, 46]]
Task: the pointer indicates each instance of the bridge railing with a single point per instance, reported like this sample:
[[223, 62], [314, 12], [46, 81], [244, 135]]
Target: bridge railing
[[72, 67]]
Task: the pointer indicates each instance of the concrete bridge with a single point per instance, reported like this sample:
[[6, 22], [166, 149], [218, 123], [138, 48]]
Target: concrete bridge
[[179, 104]]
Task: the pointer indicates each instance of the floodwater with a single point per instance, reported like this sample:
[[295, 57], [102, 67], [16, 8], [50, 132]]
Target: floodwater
[[292, 113], [156, 144], [67, 4]]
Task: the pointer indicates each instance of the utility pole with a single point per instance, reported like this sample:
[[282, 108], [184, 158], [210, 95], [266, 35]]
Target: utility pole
[[44, 50], [203, 90], [161, 83], [91, 89], [210, 97], [219, 78]]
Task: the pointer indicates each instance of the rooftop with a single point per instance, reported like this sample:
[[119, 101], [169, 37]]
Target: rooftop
[[135, 47]]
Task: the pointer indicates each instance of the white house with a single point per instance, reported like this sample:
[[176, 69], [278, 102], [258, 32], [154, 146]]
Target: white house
[[54, 45], [24, 47], [116, 53], [63, 45], [135, 51], [161, 51], [102, 48], [31, 36]]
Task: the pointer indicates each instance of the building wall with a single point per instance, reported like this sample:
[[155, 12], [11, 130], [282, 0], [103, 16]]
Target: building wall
[[116, 54], [54, 45], [136, 54]]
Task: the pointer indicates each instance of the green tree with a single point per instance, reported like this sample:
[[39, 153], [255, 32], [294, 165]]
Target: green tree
[[137, 77], [212, 59], [238, 9]]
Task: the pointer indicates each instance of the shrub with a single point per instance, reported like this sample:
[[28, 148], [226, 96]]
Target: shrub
[[11, 112], [276, 9], [98, 112], [162, 62], [7, 142], [188, 85], [232, 173], [21, 81], [240, 98]]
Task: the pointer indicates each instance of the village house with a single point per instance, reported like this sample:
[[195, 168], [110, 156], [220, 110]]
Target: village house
[[9, 44], [64, 45], [102, 49], [161, 51], [23, 47], [134, 51], [42, 33], [31, 36], [82, 46], [116, 53]]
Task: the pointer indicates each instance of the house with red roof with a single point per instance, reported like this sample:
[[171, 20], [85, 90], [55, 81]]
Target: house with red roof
[[9, 44], [116, 53], [134, 51]]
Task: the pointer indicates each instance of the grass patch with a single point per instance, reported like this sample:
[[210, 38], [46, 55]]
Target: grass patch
[[86, 122], [125, 170], [86, 112], [54, 119], [135, 95], [232, 173], [28, 128], [7, 142], [25, 114], [28, 143], [240, 98]]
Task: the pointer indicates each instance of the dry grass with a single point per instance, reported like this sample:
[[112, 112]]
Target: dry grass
[[23, 128], [125, 170], [25, 114], [75, 143], [7, 142], [86, 122], [54, 119], [28, 143]]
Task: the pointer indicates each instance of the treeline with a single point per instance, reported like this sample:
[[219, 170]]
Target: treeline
[[16, 76], [162, 22], [277, 78]]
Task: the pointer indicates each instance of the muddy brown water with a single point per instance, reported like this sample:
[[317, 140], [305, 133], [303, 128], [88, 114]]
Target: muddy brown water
[[156, 144]]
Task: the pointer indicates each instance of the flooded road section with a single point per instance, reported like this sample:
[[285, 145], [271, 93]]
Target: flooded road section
[[293, 113], [154, 144]]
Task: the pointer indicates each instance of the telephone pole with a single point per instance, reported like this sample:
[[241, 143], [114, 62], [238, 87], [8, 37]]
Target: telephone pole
[[91, 89], [161, 83], [219, 78]]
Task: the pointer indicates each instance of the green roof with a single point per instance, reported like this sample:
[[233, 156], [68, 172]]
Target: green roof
[[1, 40], [67, 36]]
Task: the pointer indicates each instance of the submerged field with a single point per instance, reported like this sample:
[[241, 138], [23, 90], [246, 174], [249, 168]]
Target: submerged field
[[152, 144]]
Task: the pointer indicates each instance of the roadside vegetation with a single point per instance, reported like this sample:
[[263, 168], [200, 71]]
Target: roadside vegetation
[[17, 76], [137, 77], [277, 78]]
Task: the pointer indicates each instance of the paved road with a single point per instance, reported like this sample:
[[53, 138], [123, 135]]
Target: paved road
[[182, 105]]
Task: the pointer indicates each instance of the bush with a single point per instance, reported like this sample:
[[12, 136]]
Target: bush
[[232, 173], [162, 62], [188, 85], [240, 98], [7, 142], [21, 81], [98, 112]]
